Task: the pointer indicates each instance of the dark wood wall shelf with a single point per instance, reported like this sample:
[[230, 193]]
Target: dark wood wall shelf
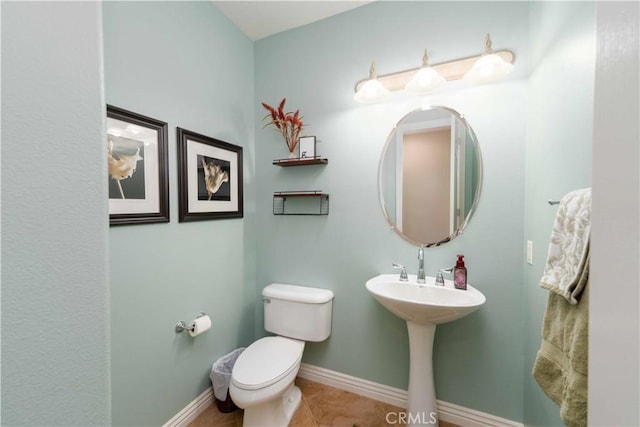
[[316, 203], [301, 162]]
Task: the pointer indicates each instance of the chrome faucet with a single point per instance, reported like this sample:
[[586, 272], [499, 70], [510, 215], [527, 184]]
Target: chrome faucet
[[421, 278]]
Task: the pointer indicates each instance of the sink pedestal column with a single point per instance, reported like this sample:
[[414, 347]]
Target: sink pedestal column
[[422, 408]]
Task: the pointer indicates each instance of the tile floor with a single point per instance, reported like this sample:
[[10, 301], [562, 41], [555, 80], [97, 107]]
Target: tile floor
[[321, 406]]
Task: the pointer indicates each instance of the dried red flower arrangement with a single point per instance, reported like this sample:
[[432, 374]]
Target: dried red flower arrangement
[[289, 124]]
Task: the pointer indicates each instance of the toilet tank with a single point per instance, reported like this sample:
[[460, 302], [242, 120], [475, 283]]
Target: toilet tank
[[299, 312]]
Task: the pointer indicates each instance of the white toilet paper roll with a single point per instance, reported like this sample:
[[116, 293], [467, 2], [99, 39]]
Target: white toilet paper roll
[[199, 325]]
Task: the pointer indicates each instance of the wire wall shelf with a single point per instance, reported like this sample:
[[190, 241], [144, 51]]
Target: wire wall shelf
[[313, 202]]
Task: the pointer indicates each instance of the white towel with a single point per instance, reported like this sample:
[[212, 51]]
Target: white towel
[[567, 268]]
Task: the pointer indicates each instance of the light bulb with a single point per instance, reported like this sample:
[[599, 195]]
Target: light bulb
[[372, 90], [425, 80], [488, 67]]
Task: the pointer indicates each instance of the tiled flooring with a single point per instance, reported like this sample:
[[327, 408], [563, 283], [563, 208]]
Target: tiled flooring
[[321, 406]]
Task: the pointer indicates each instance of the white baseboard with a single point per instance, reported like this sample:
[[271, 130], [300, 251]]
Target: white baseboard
[[449, 412], [383, 393], [192, 410]]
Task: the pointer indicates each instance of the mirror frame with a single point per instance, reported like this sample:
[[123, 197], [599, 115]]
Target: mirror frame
[[391, 138]]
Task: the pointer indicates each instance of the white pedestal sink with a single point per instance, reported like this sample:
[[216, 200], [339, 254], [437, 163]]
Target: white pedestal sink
[[423, 306]]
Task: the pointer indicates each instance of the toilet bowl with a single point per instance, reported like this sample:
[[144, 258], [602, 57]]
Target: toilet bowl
[[262, 379]]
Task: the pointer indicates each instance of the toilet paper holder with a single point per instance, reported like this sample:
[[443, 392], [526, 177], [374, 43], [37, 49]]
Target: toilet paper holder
[[182, 326]]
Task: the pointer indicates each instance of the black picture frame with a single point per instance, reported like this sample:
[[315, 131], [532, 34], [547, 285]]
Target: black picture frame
[[138, 168], [209, 178]]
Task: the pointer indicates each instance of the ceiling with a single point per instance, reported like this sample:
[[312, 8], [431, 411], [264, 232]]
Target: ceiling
[[259, 19]]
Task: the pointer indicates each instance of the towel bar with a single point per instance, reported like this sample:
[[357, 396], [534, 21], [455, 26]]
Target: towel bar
[[553, 202]]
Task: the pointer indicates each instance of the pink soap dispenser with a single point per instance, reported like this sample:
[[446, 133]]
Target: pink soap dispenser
[[460, 274]]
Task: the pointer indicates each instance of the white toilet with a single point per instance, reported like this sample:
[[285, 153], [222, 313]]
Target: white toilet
[[262, 380]]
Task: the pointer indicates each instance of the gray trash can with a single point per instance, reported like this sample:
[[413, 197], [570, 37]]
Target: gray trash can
[[221, 378]]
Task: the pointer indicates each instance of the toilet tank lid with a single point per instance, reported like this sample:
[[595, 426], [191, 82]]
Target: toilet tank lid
[[297, 293]]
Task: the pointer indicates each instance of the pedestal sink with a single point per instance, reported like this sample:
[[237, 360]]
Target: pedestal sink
[[423, 306]]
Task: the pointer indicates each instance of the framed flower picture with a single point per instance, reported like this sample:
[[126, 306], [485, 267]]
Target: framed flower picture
[[138, 168], [209, 178]]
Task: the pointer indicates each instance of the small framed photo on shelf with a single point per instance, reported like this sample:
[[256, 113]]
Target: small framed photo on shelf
[[137, 167], [209, 178], [307, 147]]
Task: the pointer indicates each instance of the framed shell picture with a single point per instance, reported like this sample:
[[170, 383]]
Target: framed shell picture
[[137, 168], [209, 178]]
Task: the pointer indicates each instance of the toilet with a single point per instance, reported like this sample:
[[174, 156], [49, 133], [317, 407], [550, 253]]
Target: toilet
[[262, 379]]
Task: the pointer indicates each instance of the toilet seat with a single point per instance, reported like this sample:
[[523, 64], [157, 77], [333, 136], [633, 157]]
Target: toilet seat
[[266, 362]]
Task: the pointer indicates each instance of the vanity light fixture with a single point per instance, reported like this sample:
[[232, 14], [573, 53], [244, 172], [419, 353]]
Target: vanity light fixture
[[425, 80], [489, 66], [371, 90]]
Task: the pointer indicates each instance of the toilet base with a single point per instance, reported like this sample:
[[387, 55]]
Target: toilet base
[[276, 412]]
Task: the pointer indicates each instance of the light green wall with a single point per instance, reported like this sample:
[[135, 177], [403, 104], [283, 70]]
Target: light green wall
[[316, 68], [559, 146], [55, 306], [186, 64]]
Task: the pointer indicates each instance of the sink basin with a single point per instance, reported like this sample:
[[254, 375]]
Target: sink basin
[[424, 303]]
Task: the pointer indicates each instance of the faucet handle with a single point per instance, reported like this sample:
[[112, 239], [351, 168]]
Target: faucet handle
[[403, 272], [440, 278]]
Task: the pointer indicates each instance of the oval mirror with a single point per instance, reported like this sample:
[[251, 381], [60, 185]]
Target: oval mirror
[[430, 175]]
